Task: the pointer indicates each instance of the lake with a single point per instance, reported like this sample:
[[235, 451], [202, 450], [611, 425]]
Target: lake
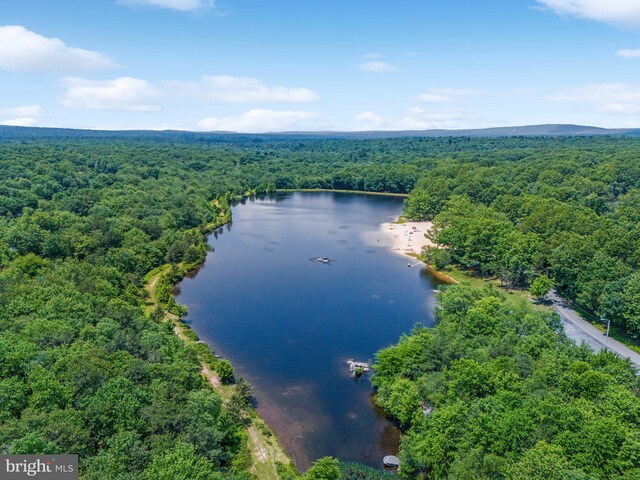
[[289, 324]]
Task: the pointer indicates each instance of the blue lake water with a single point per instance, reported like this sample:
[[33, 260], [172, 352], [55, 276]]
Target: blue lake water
[[289, 324]]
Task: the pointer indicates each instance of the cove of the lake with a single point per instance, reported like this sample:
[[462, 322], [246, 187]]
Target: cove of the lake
[[289, 324]]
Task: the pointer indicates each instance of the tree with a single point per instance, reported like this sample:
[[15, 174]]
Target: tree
[[438, 257], [47, 392], [244, 393], [225, 371], [402, 399], [541, 286], [421, 206], [545, 462], [13, 398], [115, 406], [180, 463], [124, 455], [631, 304], [327, 468], [519, 257], [30, 264], [33, 444], [203, 410]]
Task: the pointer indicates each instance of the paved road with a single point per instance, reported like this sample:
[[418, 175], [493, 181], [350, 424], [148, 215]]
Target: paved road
[[580, 330]]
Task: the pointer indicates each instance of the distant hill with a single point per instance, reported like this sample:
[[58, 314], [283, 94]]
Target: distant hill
[[554, 130]]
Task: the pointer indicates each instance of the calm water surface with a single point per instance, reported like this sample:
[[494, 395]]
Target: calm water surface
[[289, 324]]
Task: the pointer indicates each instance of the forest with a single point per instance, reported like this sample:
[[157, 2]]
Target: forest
[[571, 216], [84, 368], [497, 391]]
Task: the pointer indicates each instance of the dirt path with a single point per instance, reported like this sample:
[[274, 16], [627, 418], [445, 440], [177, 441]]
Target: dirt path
[[259, 452], [266, 452], [214, 380]]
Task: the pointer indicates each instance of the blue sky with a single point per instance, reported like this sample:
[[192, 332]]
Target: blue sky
[[276, 65]]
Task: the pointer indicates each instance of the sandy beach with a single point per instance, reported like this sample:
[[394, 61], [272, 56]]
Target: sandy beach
[[408, 238]]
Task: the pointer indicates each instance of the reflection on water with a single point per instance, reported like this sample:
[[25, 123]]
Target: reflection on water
[[289, 325]]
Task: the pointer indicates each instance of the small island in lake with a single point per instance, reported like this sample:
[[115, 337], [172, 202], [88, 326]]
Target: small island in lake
[[357, 369]]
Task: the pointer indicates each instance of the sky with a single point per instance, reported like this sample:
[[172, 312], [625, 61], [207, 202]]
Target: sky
[[285, 65]]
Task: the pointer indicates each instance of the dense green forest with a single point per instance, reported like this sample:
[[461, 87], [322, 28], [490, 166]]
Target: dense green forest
[[85, 369], [495, 391], [82, 369], [569, 214]]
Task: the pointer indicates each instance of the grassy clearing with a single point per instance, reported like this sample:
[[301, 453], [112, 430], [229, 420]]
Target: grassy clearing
[[266, 453], [511, 295]]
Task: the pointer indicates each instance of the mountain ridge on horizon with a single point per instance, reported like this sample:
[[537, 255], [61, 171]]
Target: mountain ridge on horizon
[[8, 132]]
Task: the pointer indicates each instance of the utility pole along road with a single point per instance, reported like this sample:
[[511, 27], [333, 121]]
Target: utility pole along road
[[578, 329]]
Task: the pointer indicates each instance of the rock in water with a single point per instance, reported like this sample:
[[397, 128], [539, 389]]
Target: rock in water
[[358, 368], [391, 461]]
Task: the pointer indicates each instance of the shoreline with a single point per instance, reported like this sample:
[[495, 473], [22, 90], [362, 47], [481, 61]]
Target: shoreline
[[330, 190], [264, 446], [408, 238]]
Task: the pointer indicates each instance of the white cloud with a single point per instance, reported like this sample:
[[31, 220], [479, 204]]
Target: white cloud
[[23, 116], [22, 50], [133, 94], [226, 88], [617, 12], [629, 53], [369, 118], [610, 98], [258, 121], [452, 118], [133, 126], [19, 122], [416, 119], [24, 111], [124, 93], [378, 67], [446, 95], [179, 5], [372, 55]]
